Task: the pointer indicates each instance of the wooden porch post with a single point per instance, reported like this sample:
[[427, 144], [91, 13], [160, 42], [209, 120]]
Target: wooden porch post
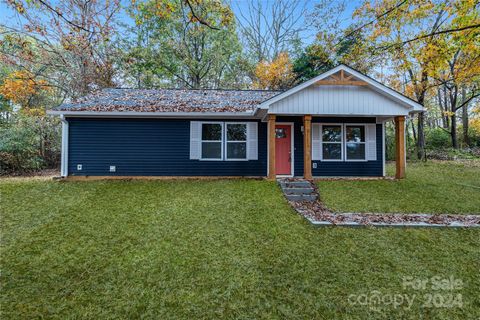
[[307, 147], [400, 147], [271, 147]]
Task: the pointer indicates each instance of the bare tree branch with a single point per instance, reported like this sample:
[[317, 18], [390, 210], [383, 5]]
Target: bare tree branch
[[197, 18], [430, 35]]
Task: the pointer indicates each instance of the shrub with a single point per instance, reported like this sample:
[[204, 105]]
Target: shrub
[[29, 143], [474, 137], [436, 138]]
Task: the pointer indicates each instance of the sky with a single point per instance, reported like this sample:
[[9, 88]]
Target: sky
[[8, 16]]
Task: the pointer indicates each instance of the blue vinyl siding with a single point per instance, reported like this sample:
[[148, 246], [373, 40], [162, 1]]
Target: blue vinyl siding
[[148, 147], [160, 147]]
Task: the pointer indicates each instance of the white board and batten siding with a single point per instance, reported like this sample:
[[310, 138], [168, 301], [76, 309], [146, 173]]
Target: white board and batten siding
[[338, 100]]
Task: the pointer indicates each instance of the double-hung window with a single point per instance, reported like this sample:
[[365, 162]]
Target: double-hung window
[[344, 142], [355, 142], [236, 141], [212, 142], [332, 142], [223, 141]]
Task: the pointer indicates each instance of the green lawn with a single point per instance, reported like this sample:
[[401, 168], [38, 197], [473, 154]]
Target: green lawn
[[431, 187], [210, 250]]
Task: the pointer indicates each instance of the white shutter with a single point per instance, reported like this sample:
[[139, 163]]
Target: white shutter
[[316, 141], [252, 140], [371, 139], [195, 139]]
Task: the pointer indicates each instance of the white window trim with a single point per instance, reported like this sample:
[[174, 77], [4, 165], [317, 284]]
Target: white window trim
[[364, 142], [226, 141], [202, 141], [329, 142]]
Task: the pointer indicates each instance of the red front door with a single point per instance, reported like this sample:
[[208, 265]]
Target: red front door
[[283, 149]]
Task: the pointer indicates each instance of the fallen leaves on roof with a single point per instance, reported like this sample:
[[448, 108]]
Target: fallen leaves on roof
[[169, 100]]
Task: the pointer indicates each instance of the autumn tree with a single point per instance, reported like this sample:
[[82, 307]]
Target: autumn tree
[[275, 75], [21, 88], [68, 43], [455, 59], [171, 48], [407, 32]]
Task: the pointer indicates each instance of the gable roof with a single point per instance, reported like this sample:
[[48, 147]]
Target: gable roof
[[373, 84], [168, 101], [220, 102]]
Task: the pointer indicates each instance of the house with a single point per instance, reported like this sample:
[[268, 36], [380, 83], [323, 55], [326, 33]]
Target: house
[[331, 125]]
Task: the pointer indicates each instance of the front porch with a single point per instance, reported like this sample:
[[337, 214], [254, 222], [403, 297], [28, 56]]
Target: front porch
[[337, 125], [296, 146]]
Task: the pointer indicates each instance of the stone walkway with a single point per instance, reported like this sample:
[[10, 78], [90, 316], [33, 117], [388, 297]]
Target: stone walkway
[[303, 196]]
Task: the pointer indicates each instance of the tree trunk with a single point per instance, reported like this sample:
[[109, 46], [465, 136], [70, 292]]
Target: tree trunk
[[466, 139], [445, 97], [414, 132], [453, 132], [421, 136], [453, 117], [442, 109]]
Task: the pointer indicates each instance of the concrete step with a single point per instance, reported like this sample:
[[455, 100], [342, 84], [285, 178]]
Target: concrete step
[[295, 184], [298, 190], [303, 197]]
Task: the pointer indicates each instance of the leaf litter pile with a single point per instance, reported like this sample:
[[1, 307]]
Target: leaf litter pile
[[317, 211]]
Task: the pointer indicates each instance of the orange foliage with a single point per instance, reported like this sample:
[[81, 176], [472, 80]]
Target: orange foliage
[[474, 123], [277, 74], [20, 86]]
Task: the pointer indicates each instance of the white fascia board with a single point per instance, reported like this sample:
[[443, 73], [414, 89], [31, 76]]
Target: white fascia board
[[408, 103], [340, 115], [132, 114]]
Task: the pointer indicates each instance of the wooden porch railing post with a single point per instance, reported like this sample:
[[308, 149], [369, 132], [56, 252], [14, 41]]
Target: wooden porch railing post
[[307, 147], [400, 147], [271, 147]]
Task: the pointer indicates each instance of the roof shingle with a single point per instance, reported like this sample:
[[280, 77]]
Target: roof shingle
[[169, 100]]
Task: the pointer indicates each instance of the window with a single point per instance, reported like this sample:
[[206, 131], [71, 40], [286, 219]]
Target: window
[[332, 142], [236, 141], [355, 142], [344, 141], [212, 147], [280, 133], [222, 141]]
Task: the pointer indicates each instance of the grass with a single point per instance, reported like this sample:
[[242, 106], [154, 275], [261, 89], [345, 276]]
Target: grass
[[208, 250], [431, 187]]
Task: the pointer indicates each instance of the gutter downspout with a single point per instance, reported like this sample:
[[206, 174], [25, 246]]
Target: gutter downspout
[[64, 157]]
